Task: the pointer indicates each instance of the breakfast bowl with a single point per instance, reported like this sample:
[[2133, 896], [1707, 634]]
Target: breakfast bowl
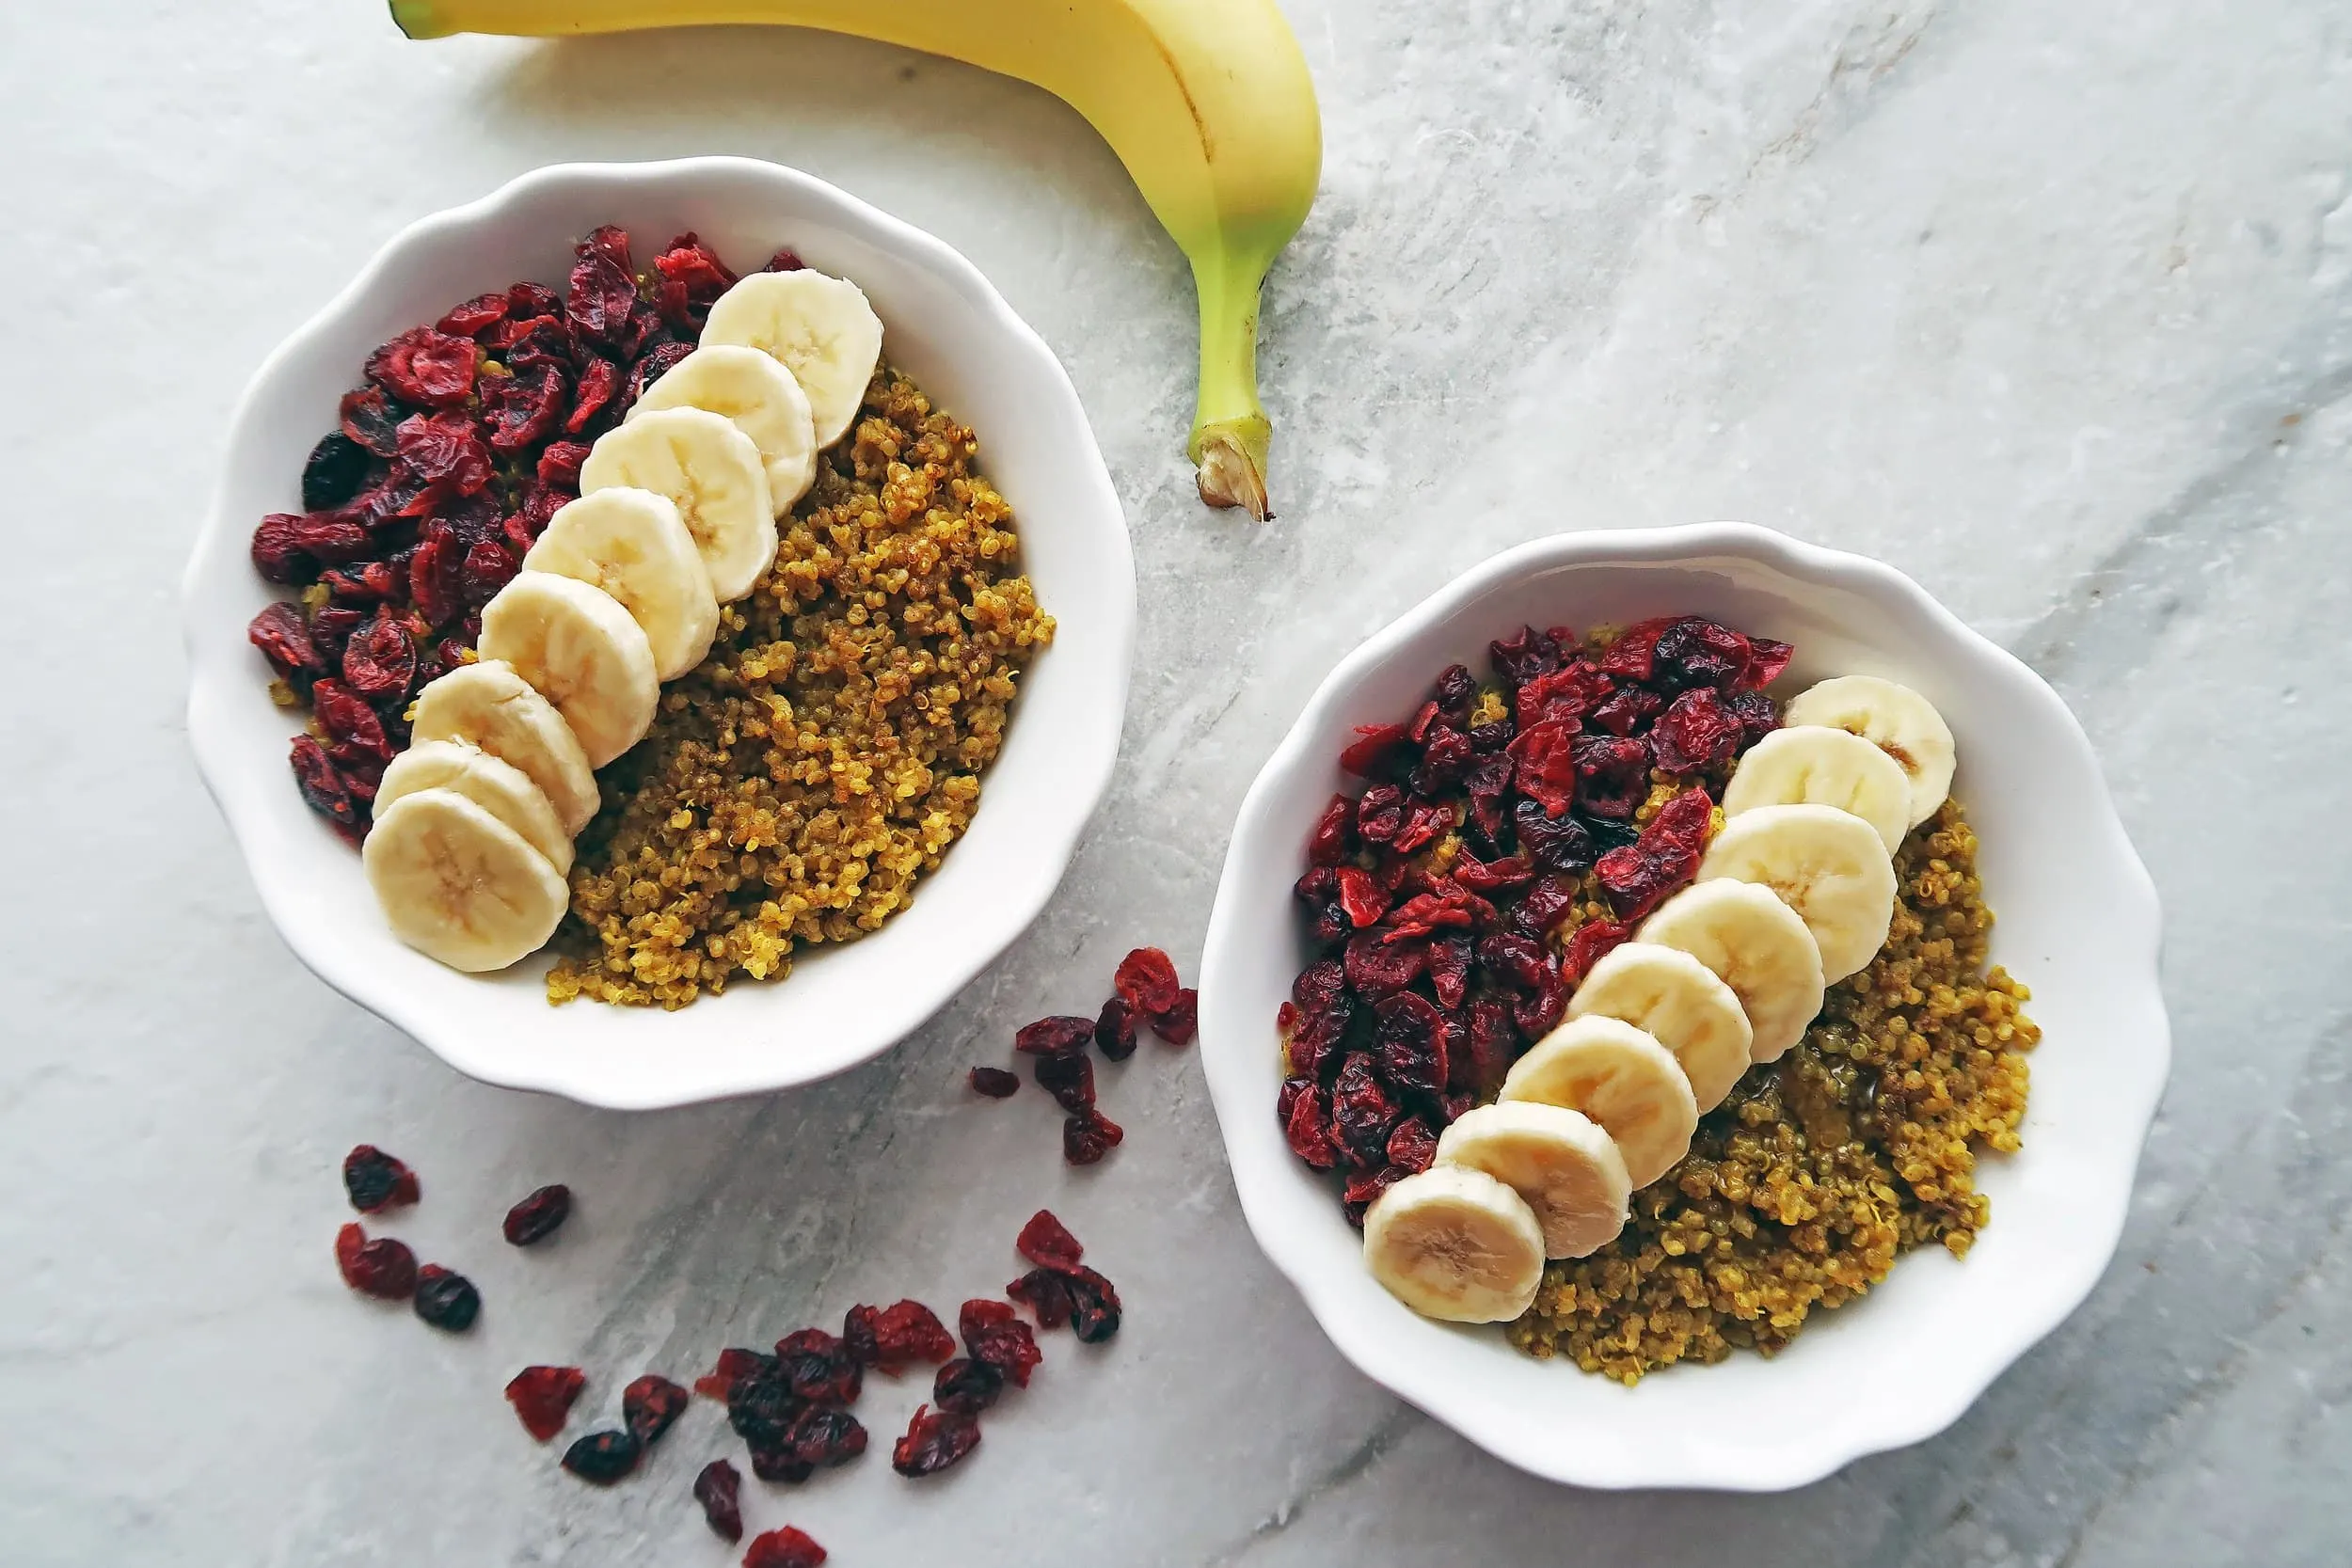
[[2077, 924], [842, 1003]]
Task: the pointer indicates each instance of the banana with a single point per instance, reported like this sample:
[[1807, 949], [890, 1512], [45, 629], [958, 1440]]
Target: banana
[[1895, 718], [1207, 102], [711, 472], [1457, 1245], [819, 328], [458, 885], [1621, 1078], [1567, 1169], [1758, 947], [1679, 1000], [497, 787], [577, 644], [632, 545], [1817, 765], [1828, 865], [489, 706], [761, 396]]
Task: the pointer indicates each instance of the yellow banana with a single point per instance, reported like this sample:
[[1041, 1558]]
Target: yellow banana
[[1207, 102]]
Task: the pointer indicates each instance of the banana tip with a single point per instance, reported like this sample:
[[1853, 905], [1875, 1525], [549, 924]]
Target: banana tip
[[1231, 475]]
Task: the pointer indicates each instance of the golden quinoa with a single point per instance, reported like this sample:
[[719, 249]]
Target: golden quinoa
[[822, 759], [1804, 1187]]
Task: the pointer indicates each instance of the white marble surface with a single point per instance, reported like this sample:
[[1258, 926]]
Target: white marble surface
[[2049, 305]]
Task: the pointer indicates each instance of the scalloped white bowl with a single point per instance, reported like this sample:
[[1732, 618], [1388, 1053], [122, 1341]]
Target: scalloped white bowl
[[840, 1006], [2077, 923]]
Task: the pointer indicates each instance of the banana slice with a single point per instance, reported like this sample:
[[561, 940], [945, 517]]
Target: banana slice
[[762, 397], [580, 649], [500, 789], [1758, 947], [489, 706], [1895, 718], [1828, 865], [711, 472], [822, 327], [458, 885], [1680, 1001], [1457, 1245], [1567, 1169], [1817, 765], [1620, 1077], [632, 545]]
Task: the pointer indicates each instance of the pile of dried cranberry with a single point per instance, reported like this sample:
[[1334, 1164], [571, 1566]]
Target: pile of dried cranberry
[[1144, 987], [1437, 900], [446, 464], [385, 1267]]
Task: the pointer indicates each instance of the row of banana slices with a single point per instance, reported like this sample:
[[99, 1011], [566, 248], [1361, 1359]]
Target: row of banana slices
[[676, 515], [1796, 893]]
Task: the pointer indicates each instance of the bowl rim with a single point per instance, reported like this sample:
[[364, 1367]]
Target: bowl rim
[[1087, 768], [1596, 1459]]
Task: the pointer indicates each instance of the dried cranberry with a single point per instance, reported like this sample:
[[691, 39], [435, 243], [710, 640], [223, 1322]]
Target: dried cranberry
[[471, 317], [1628, 709], [443, 449], [1044, 1292], [603, 1457], [1412, 1146], [323, 789], [1546, 772], [1696, 651], [1613, 774], [786, 260], [1536, 1013], [1766, 661], [1637, 881], [1563, 697], [787, 1547], [1380, 813], [1408, 1045], [285, 642], [1334, 838], [1488, 780], [1684, 821], [1422, 824], [436, 581], [1586, 947], [1115, 1030], [1177, 1026], [1308, 1129], [762, 1408], [1456, 689], [1513, 959], [1361, 1112], [1045, 1240], [1364, 899], [1376, 750], [519, 411], [656, 363], [1487, 1049], [994, 1081], [1494, 875], [1524, 654], [1449, 969], [992, 1333], [820, 1367], [1492, 738], [1064, 1035], [543, 1396], [369, 421], [777, 1462], [1146, 980], [1442, 761], [539, 1215], [380, 661], [332, 473], [534, 344], [528, 299], [424, 366], [965, 1388], [1545, 905], [598, 381], [1757, 715], [446, 1300], [905, 1333], [277, 553], [649, 1406], [736, 1364], [367, 583], [719, 1489], [487, 568], [1094, 1309], [1320, 986], [825, 1435], [933, 1442], [383, 1267], [1629, 656], [1069, 1077], [1364, 1189], [601, 296], [1696, 731], [376, 1181], [1088, 1136], [355, 736]]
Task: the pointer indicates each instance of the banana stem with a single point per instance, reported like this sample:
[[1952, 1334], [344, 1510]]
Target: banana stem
[[1230, 429]]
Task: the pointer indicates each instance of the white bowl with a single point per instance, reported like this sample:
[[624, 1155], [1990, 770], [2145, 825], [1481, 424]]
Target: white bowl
[[2077, 923], [962, 343]]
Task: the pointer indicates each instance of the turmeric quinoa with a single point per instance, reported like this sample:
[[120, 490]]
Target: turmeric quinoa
[[801, 781], [1803, 1188]]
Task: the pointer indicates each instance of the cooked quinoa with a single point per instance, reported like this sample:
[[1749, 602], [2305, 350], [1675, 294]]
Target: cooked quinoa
[[1803, 1188], [800, 782]]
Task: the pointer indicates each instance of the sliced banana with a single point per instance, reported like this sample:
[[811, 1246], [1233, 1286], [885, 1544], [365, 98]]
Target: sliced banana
[[1620, 1077], [822, 327], [1456, 1244], [1895, 718], [1758, 947], [1567, 1169], [762, 397], [489, 706], [1821, 766], [1680, 1001], [711, 472], [500, 789], [632, 545], [1828, 865], [582, 651], [458, 885]]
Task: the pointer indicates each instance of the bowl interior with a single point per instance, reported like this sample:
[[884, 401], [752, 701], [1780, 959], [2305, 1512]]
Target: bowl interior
[[2077, 922], [948, 329]]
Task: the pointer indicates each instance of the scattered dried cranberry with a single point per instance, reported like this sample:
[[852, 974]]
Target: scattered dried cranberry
[[471, 317], [1115, 1030], [1061, 1035], [783, 1548], [1069, 1078], [446, 1300], [994, 1081], [965, 1388], [1334, 838], [933, 1442], [1045, 1240], [824, 1436], [285, 642], [903, 1334], [1177, 1024], [736, 1364], [649, 1406], [1696, 731], [383, 1267], [424, 366], [603, 1457], [719, 1489], [787, 259], [993, 1334], [332, 474], [1087, 1136], [1146, 981], [538, 1217], [381, 660], [1095, 1313], [543, 1396], [376, 1181], [820, 1367], [1593, 941], [1046, 1294], [368, 421]]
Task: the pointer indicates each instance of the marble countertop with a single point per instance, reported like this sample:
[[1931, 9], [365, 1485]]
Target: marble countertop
[[2049, 305]]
